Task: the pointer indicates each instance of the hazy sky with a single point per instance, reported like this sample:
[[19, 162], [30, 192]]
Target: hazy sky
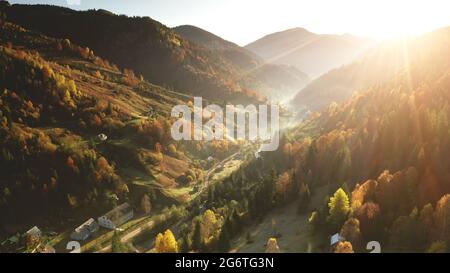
[[243, 21]]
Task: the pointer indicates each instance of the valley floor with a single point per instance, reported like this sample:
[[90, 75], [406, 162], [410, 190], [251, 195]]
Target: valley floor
[[291, 228]]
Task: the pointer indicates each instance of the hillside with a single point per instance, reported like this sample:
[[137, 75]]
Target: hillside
[[373, 168], [386, 148], [82, 133], [311, 53], [142, 44], [57, 100], [206, 39], [375, 66], [239, 56], [272, 80]]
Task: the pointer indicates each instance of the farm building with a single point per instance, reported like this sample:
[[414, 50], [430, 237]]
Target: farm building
[[116, 217], [34, 233]]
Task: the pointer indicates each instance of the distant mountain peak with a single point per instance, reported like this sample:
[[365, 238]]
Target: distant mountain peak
[[272, 80], [315, 54]]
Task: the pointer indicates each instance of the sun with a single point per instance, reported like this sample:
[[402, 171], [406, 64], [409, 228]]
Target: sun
[[379, 19], [393, 19]]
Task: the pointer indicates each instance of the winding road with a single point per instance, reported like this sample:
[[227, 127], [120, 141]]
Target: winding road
[[131, 234]]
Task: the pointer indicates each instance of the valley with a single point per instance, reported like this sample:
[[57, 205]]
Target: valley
[[89, 154]]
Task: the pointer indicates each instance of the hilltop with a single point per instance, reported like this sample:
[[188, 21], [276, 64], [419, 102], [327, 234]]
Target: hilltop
[[272, 80], [142, 44]]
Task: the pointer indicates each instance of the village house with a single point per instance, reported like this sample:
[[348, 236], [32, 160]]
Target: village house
[[33, 234], [83, 232], [335, 240], [116, 217]]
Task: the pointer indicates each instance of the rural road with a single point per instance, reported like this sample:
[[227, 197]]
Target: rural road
[[129, 236], [136, 232]]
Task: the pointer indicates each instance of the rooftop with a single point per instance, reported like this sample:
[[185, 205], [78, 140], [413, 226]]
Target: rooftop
[[119, 211]]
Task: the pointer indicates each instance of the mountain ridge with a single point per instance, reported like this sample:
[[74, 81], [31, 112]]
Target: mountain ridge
[[370, 68], [170, 61], [312, 53], [274, 80]]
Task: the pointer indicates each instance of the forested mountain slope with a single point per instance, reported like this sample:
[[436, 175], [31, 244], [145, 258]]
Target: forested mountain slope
[[78, 135], [142, 44], [309, 52], [272, 80], [375, 66], [387, 148]]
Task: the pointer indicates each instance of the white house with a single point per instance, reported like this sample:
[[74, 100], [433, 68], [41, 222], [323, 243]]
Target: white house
[[116, 217], [336, 238], [34, 232], [102, 137]]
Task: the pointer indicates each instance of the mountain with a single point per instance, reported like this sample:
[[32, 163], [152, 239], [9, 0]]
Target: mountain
[[272, 80], [79, 135], [375, 66], [384, 150], [141, 44], [311, 53], [208, 39], [238, 55]]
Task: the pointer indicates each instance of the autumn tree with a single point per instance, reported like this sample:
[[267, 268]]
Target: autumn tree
[[369, 219], [2, 18], [166, 243], [363, 193], [351, 232], [209, 225], [283, 186], [438, 247], [305, 197], [426, 222], [116, 244], [224, 238], [146, 205], [103, 171], [314, 221], [272, 246], [339, 208], [197, 241], [71, 163], [405, 232], [442, 218], [67, 44], [158, 148], [344, 247], [185, 243], [172, 149]]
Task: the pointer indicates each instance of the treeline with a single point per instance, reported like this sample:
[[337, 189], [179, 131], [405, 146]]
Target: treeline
[[69, 128], [47, 166], [171, 61], [396, 134], [226, 208], [50, 150]]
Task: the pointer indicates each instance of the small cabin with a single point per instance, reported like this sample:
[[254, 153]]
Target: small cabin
[[34, 233], [84, 231]]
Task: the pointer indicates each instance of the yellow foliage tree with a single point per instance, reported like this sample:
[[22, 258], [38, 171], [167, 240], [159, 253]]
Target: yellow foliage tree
[[344, 247], [272, 246], [339, 208], [209, 224], [166, 243]]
